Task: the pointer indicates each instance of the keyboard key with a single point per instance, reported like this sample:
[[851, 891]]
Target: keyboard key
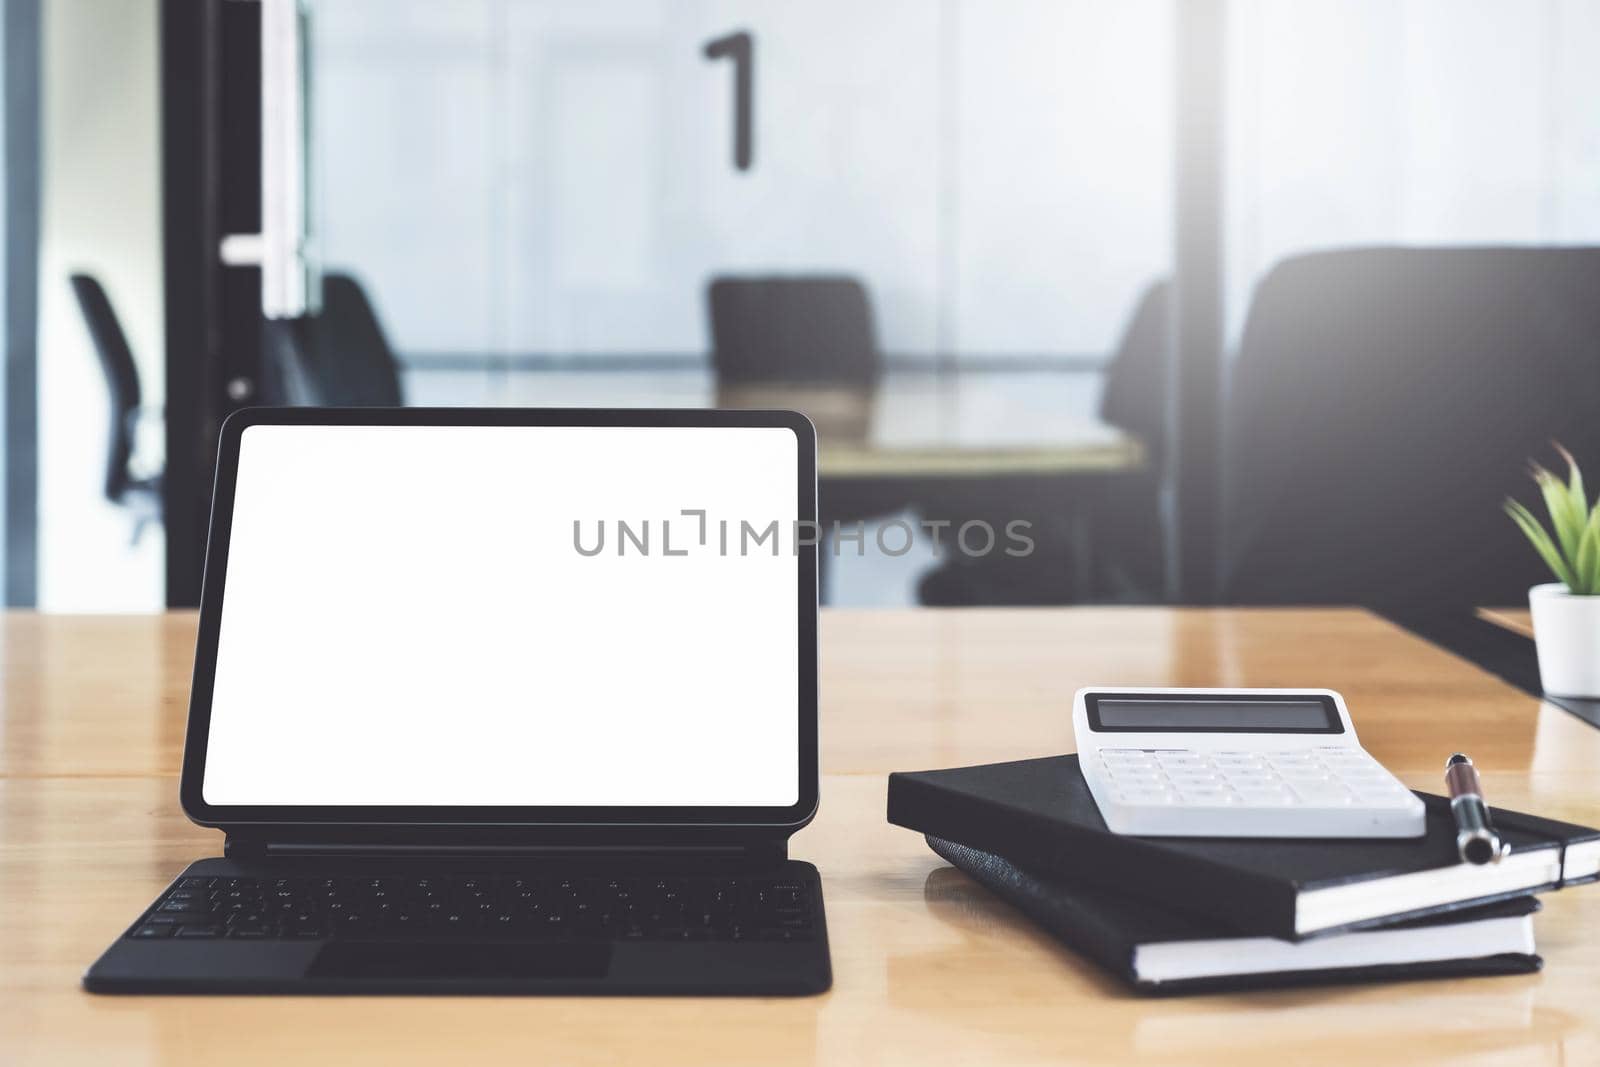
[[209, 930], [185, 907], [153, 930]]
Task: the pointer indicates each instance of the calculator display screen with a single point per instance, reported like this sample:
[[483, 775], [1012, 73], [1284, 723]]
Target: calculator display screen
[[1309, 714]]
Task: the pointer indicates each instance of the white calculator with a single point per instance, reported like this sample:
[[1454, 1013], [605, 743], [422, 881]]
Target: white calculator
[[1235, 763]]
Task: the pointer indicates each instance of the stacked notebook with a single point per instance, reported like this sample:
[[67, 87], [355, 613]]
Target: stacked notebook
[[1181, 914]]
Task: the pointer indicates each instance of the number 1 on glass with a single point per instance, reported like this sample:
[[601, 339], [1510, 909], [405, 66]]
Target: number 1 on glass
[[740, 47]]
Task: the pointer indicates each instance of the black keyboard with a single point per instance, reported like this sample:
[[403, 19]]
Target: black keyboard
[[485, 906]]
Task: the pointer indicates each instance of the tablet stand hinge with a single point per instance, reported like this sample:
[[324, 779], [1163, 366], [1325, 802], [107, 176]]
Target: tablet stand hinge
[[760, 850], [235, 847]]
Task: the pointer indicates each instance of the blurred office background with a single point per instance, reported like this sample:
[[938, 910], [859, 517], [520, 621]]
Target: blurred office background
[[1036, 259]]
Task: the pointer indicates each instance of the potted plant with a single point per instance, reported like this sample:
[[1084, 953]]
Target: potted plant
[[1566, 613]]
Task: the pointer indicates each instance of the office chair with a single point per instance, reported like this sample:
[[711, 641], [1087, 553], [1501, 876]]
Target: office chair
[[810, 330], [805, 342], [1385, 402], [1127, 520], [338, 357], [140, 496], [1123, 510]]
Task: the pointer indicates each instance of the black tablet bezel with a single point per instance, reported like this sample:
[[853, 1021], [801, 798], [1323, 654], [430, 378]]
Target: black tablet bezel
[[787, 819]]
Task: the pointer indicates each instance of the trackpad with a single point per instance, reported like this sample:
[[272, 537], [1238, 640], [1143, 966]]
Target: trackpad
[[455, 959]]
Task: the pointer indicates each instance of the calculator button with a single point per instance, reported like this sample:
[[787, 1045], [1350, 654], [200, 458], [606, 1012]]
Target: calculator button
[[1197, 767], [1134, 772], [1369, 787], [1312, 795], [1148, 796], [1308, 786], [1266, 798], [1207, 796], [1195, 780], [1253, 778]]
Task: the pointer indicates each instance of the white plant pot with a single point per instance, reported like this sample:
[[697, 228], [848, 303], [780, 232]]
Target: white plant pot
[[1566, 629]]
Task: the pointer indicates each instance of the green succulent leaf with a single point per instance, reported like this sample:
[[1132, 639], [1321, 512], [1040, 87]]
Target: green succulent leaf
[[1567, 520], [1542, 543], [1586, 567], [1578, 502]]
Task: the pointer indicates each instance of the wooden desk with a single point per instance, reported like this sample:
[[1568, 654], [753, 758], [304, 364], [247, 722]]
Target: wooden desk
[[928, 968], [1517, 620]]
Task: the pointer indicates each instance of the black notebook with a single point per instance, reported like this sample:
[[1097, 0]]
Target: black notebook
[[1040, 813], [1163, 952]]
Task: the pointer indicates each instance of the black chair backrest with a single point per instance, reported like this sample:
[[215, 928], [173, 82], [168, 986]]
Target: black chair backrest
[[338, 357], [1385, 402], [1135, 394], [1126, 511], [811, 330], [122, 378]]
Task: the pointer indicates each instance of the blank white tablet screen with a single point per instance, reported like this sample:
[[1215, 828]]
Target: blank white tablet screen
[[412, 616]]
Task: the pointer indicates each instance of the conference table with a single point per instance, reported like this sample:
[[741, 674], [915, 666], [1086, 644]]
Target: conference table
[[928, 967], [951, 446], [926, 428], [915, 424]]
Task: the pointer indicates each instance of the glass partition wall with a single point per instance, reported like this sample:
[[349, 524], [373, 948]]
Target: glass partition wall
[[963, 235], [535, 184], [935, 219]]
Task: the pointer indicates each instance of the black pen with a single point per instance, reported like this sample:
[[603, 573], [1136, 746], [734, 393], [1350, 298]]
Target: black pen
[[1476, 839]]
